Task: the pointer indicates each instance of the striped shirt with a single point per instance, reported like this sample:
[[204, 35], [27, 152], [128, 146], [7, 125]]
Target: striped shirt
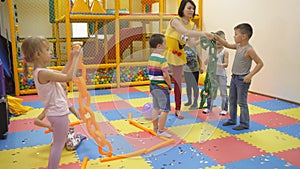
[[156, 66]]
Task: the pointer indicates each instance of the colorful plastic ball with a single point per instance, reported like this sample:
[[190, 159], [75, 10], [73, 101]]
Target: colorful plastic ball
[[147, 111]]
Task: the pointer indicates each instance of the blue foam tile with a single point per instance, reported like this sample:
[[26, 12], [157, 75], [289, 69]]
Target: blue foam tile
[[253, 126], [261, 162], [184, 156], [134, 112], [274, 105], [92, 106], [133, 95], [25, 139], [121, 114], [34, 104], [89, 148], [99, 92], [292, 130], [112, 115], [172, 120], [183, 98]]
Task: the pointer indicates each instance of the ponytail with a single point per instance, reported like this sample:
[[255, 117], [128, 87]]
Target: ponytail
[[25, 68]]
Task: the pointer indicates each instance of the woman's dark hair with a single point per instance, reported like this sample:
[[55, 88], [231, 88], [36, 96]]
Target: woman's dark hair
[[182, 6]]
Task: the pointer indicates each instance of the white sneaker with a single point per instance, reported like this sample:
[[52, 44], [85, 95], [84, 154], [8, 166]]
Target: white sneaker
[[223, 112], [164, 134], [205, 111]]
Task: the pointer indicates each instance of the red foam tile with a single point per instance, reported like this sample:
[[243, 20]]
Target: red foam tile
[[29, 98], [115, 105], [23, 125], [257, 98], [212, 116], [228, 149], [105, 128], [124, 90], [291, 156], [73, 100], [273, 119]]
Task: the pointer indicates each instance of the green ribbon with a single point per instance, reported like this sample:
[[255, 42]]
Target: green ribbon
[[210, 82]]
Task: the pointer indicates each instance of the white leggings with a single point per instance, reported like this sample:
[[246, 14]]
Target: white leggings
[[60, 131]]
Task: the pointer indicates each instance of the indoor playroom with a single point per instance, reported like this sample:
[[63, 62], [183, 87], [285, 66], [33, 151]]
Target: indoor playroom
[[112, 126]]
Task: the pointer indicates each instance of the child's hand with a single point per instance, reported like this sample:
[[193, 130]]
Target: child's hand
[[201, 70], [78, 116], [50, 127], [75, 52], [217, 37], [247, 78]]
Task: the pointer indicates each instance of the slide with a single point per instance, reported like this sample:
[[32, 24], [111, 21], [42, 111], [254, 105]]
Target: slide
[[127, 36]]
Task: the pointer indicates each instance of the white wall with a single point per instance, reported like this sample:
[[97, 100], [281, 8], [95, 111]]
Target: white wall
[[4, 20], [276, 36]]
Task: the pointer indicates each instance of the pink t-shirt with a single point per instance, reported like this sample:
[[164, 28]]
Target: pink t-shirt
[[52, 96]]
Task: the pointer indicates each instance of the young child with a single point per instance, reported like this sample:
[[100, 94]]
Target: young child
[[73, 139], [39, 120], [241, 74], [47, 81], [191, 75], [221, 76], [160, 84]]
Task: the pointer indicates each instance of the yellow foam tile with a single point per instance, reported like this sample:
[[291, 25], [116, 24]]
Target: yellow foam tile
[[293, 113], [133, 162], [33, 157], [270, 140], [253, 110], [123, 127], [199, 132], [73, 95], [139, 102], [183, 90], [143, 88], [28, 115], [216, 167], [105, 98], [98, 117]]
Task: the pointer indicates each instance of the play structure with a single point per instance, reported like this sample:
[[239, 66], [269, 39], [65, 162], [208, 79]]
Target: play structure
[[116, 42]]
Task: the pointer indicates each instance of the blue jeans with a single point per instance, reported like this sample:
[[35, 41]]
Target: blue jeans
[[222, 83], [238, 96], [160, 98]]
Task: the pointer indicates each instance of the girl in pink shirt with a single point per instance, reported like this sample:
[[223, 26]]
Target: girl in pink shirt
[[36, 50]]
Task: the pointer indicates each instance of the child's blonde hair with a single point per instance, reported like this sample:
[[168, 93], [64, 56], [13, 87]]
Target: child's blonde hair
[[29, 48]]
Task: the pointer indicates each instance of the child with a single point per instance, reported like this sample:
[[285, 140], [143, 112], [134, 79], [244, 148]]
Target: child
[[72, 139], [160, 84], [37, 51], [191, 75], [241, 74], [221, 76]]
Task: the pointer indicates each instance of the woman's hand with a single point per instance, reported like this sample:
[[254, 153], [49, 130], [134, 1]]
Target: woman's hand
[[209, 35]]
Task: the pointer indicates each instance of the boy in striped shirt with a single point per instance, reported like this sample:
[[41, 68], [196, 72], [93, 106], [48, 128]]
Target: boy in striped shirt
[[160, 84]]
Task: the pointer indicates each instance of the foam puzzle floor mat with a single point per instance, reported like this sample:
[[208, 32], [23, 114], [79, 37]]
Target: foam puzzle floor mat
[[198, 141]]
